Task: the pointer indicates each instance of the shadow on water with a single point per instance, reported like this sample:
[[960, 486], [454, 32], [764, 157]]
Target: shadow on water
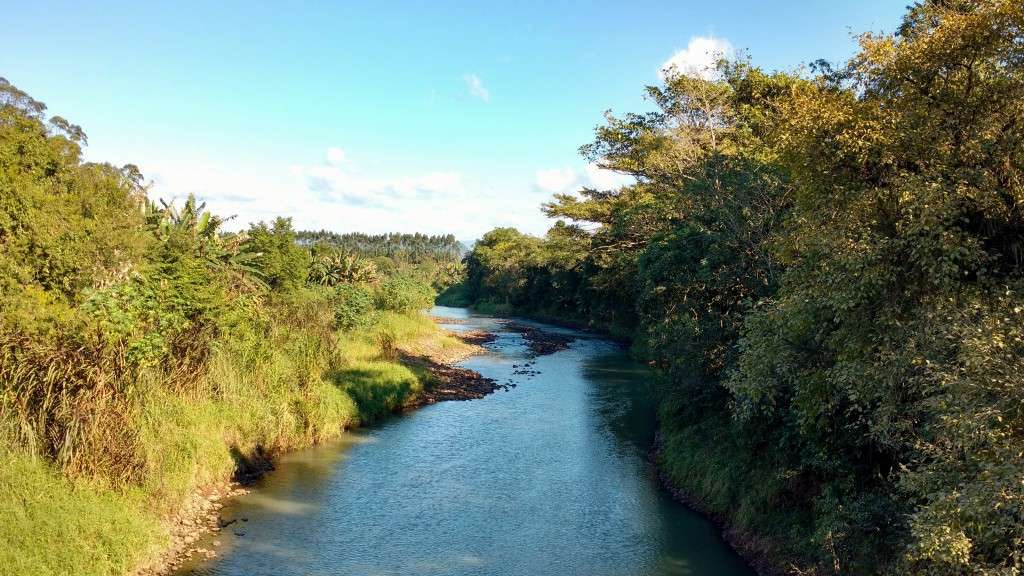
[[548, 478], [624, 396]]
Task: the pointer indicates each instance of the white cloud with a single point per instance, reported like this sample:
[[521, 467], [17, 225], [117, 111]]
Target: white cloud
[[336, 156], [476, 87], [603, 179], [556, 179], [698, 59]]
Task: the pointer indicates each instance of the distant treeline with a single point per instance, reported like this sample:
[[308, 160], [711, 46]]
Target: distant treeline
[[828, 270], [401, 247]]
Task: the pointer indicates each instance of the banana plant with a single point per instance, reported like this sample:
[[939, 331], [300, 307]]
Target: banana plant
[[193, 229], [335, 269]]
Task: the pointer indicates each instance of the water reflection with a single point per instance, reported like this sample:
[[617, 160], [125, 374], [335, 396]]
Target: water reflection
[[548, 478]]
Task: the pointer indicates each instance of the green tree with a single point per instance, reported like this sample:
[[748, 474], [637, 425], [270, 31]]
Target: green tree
[[904, 271], [497, 267], [279, 260]]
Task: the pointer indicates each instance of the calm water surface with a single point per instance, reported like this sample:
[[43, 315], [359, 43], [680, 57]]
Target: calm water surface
[[548, 478]]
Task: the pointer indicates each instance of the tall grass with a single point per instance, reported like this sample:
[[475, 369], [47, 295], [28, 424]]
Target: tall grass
[[68, 400], [723, 478]]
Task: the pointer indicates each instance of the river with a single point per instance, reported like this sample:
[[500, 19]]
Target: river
[[550, 477]]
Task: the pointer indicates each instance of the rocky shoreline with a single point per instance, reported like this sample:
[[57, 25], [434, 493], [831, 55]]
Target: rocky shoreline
[[199, 516], [451, 383]]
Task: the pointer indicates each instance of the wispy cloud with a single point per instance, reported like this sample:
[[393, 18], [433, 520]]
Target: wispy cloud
[[338, 181], [476, 87], [351, 196], [341, 189], [698, 59]]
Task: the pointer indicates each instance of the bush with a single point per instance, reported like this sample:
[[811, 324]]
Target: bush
[[405, 295], [353, 306], [282, 263]]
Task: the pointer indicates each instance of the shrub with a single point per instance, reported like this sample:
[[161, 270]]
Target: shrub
[[353, 306], [454, 295], [401, 294], [282, 263]]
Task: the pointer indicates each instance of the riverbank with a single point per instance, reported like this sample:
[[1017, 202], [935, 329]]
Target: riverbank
[[429, 353], [307, 384], [755, 550]]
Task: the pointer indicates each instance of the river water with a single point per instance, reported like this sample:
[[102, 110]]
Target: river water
[[548, 478]]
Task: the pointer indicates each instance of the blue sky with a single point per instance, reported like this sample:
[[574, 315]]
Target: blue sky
[[383, 116]]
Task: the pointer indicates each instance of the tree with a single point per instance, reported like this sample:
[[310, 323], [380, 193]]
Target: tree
[[282, 263]]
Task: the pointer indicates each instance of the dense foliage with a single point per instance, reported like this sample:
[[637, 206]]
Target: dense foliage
[[828, 271], [145, 353]]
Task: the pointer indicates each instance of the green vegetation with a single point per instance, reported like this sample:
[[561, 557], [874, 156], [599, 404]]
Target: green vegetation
[[401, 294], [827, 269], [416, 248], [54, 526], [356, 257], [145, 353]]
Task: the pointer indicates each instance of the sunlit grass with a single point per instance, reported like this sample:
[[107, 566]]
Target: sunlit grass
[[51, 525], [378, 387], [371, 371]]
